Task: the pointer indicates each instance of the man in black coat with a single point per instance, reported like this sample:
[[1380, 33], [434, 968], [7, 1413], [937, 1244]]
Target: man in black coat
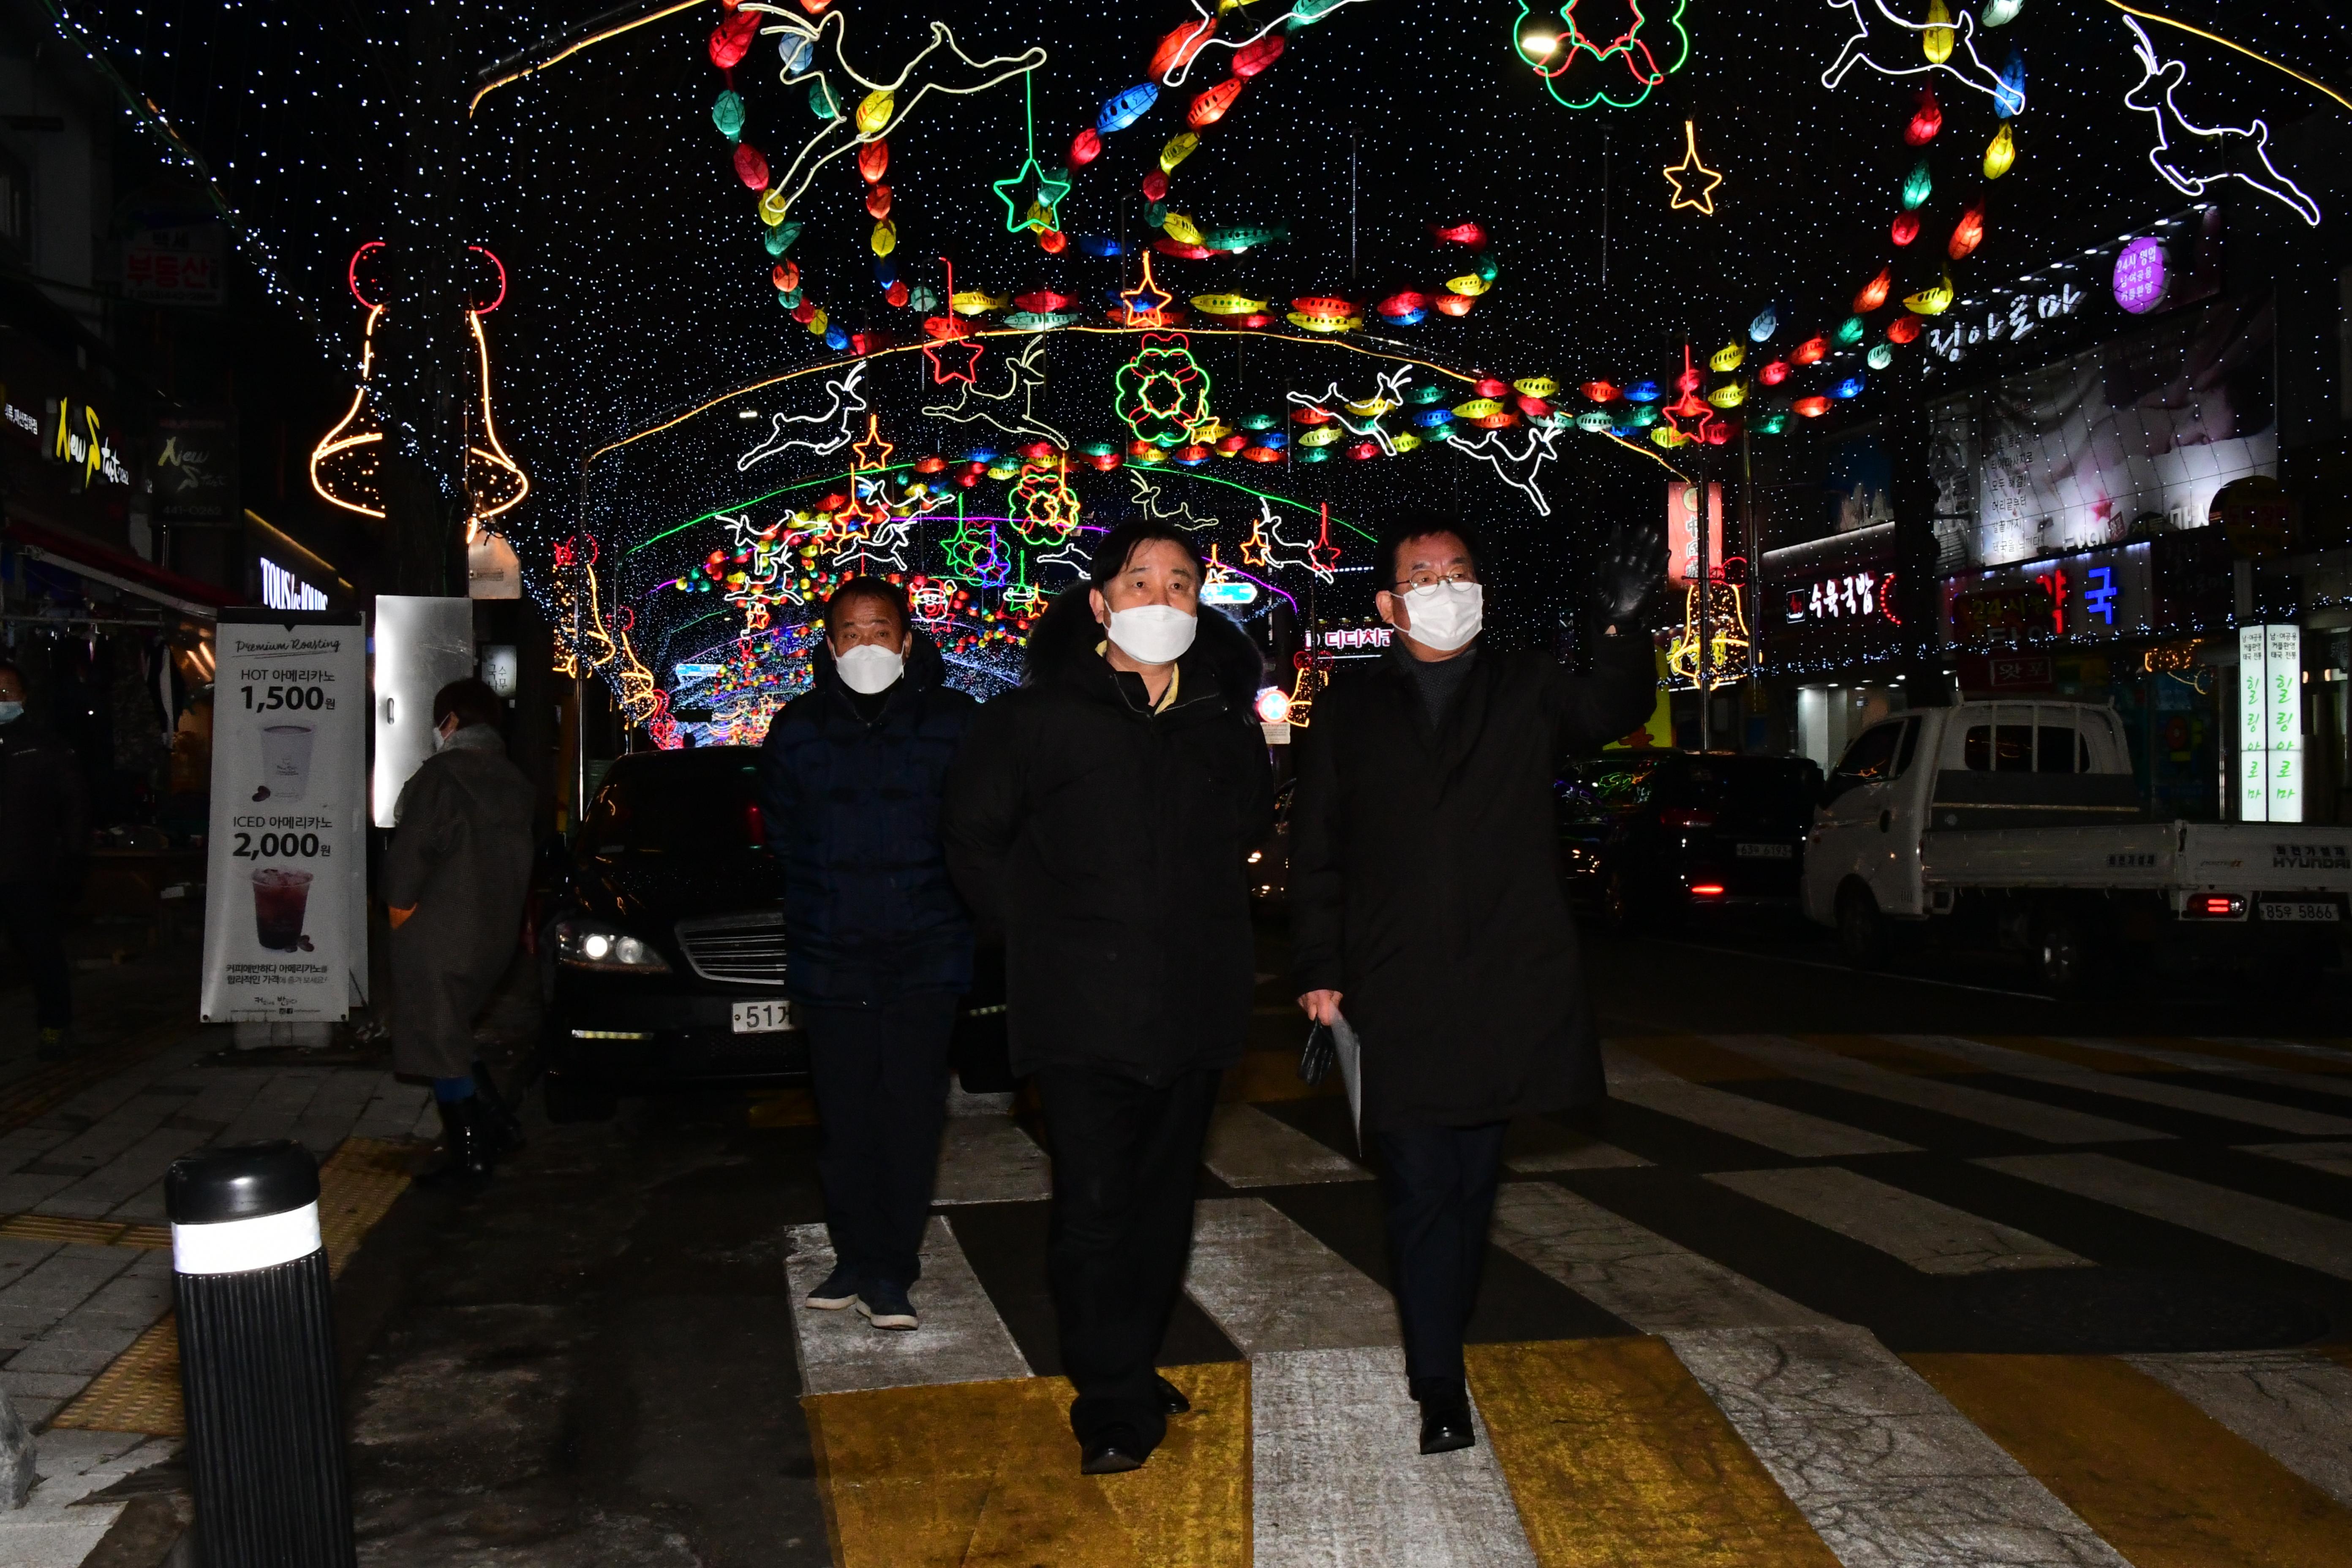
[[1426, 906], [880, 946], [1103, 815], [43, 829]]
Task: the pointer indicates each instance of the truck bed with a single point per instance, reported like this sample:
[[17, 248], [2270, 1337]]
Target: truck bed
[[2248, 858]]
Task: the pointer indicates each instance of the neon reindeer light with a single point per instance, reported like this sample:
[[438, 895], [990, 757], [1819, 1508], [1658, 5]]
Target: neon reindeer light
[[2008, 93], [848, 404], [2191, 157]]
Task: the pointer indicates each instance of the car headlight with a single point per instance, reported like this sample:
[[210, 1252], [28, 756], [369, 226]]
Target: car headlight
[[583, 944]]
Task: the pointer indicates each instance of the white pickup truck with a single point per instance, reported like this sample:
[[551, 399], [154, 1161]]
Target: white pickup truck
[[2019, 824]]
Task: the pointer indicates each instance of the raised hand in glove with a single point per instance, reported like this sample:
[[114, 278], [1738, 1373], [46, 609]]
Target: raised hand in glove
[[1628, 576]]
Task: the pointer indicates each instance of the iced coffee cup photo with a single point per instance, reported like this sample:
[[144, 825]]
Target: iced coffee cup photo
[[280, 898], [286, 760]]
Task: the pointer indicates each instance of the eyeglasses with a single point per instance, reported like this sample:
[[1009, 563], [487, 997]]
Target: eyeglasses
[[1426, 579]]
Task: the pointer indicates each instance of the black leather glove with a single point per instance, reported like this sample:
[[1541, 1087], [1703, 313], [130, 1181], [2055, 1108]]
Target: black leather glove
[[1628, 576]]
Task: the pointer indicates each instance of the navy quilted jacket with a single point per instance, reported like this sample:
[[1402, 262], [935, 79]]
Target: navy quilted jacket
[[854, 813]]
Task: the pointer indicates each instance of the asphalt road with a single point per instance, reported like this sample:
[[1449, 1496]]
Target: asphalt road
[[599, 1360]]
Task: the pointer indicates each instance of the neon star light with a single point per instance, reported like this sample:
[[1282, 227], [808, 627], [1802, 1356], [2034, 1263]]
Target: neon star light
[[1032, 197], [1901, 43], [843, 133], [1153, 316], [2205, 153], [839, 414], [1553, 50], [1690, 172]]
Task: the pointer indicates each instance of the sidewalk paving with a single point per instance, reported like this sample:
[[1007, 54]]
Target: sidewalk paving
[[85, 1248]]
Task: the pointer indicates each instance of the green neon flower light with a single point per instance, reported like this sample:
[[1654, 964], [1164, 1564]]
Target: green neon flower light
[[1553, 42], [1162, 391]]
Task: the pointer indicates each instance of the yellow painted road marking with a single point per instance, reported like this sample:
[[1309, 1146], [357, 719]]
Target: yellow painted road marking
[[961, 1475], [1617, 1456], [83, 1231], [2164, 1483]]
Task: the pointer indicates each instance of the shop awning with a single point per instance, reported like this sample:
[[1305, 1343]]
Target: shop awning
[[88, 558]]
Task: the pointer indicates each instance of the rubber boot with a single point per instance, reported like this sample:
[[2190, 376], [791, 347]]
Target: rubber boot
[[505, 1129], [470, 1149]]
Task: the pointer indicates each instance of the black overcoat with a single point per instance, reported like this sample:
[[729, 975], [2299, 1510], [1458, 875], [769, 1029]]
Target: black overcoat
[[1110, 843], [1425, 884]]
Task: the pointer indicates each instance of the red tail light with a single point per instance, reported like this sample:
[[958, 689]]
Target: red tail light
[[2218, 906], [1683, 817], [1707, 891], [755, 824]]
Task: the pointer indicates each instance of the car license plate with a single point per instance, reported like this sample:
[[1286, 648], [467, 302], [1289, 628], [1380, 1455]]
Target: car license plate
[[2314, 912], [1767, 852], [763, 1018]]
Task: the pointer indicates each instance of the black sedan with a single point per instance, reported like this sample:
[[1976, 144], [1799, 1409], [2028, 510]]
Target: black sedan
[[664, 967], [1649, 837]]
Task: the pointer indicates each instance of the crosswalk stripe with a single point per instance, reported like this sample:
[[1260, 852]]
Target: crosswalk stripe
[[2294, 1405], [2306, 1049], [962, 1340], [1247, 1148], [2336, 1159], [987, 1473], [2264, 1225], [1271, 1286], [1884, 1468], [990, 1159], [2047, 1124], [2160, 1481], [1577, 1154], [1336, 1481], [1932, 1237], [1627, 1270], [1643, 1083], [2204, 1101], [2336, 1086], [1615, 1456]]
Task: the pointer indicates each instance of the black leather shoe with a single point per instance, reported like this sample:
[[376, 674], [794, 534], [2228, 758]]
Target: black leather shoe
[[469, 1151], [505, 1129], [1445, 1427], [1113, 1451], [1172, 1398]]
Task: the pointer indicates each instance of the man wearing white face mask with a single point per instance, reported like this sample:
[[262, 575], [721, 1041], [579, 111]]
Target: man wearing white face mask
[[879, 946], [1426, 906], [1103, 815]]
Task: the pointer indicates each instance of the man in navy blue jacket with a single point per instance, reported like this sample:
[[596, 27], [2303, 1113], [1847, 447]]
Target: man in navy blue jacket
[[881, 944]]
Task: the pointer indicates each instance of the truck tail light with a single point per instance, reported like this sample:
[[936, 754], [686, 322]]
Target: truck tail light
[[2217, 906], [1683, 817], [1706, 891]]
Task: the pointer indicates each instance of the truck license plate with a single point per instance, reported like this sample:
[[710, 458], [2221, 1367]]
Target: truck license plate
[[763, 1018], [1767, 852], [2301, 912]]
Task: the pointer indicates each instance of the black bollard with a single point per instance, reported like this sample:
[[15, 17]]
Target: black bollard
[[257, 1359]]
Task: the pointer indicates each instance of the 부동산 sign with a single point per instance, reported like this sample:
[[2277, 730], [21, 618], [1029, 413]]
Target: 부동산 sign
[[285, 910]]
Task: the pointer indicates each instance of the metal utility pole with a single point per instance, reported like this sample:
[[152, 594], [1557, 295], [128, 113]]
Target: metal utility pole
[[1703, 668]]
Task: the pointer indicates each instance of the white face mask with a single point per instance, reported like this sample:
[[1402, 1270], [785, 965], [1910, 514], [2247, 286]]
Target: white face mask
[[1153, 634], [1444, 615], [11, 711], [870, 668]]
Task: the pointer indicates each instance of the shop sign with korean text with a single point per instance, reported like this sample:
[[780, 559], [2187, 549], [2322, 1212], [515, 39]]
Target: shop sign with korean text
[[286, 885]]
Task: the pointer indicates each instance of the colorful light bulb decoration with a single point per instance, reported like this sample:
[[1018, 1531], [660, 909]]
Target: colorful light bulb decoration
[[1766, 323], [2000, 152], [1926, 118], [1917, 186]]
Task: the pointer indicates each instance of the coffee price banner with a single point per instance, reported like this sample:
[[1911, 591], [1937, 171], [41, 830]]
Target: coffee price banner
[[285, 889]]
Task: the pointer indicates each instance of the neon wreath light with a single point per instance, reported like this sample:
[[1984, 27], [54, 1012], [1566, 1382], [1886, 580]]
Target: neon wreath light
[[2214, 151], [2008, 92], [1553, 50]]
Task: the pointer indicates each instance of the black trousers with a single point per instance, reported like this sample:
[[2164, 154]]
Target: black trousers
[[1126, 1158], [880, 1075], [1441, 1198], [36, 928]]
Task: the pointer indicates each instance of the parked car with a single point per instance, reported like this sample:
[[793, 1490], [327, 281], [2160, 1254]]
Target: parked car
[[663, 966], [1648, 838], [2021, 824]]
